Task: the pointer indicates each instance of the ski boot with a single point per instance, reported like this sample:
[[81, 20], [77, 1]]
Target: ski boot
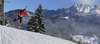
[[9, 23], [19, 25]]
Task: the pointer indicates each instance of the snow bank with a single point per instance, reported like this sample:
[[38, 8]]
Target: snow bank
[[14, 36], [86, 39]]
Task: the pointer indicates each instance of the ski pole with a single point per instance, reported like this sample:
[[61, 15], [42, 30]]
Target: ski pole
[[25, 7]]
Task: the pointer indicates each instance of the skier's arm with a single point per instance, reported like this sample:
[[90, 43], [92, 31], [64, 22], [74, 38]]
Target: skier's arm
[[17, 12], [27, 13]]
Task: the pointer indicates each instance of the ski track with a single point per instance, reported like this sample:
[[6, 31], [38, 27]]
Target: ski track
[[14, 36]]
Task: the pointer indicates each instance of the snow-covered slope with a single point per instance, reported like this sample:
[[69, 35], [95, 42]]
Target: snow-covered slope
[[14, 36]]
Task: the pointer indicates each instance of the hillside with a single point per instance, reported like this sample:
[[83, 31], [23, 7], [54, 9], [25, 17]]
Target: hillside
[[14, 36]]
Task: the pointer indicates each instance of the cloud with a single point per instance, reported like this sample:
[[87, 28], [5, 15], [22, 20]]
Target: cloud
[[90, 2]]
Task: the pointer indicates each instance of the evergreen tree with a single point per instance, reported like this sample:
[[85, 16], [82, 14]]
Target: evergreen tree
[[2, 16], [36, 23]]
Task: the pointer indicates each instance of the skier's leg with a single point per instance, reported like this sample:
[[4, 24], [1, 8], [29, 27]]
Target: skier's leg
[[20, 22], [14, 20]]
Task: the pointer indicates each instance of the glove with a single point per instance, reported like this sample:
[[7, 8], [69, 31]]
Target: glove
[[24, 15]]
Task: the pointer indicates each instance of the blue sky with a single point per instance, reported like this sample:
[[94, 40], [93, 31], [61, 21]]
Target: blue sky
[[47, 4]]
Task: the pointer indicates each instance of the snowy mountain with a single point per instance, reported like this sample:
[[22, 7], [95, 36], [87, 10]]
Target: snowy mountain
[[15, 36], [74, 20]]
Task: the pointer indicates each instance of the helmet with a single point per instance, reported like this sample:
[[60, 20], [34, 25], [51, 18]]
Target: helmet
[[25, 10]]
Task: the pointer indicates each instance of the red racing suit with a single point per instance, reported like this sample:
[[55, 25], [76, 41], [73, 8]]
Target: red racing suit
[[22, 13]]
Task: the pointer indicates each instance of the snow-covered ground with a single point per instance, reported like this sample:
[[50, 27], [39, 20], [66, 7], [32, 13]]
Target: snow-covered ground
[[14, 36], [86, 39]]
